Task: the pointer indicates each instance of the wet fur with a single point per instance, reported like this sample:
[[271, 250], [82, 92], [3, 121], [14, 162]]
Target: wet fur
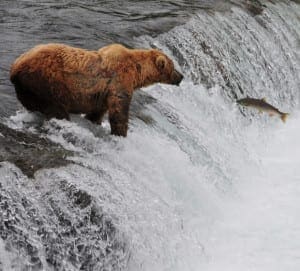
[[57, 79]]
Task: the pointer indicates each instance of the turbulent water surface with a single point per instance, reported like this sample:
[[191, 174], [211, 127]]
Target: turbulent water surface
[[199, 183]]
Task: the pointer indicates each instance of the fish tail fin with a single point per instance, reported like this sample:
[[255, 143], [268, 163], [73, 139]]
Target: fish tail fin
[[284, 116]]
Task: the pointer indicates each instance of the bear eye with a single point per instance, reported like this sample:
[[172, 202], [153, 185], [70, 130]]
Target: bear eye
[[161, 62]]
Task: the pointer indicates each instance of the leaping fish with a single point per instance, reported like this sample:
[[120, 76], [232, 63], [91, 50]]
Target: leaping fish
[[262, 106]]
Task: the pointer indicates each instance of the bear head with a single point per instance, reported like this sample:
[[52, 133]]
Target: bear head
[[166, 72]]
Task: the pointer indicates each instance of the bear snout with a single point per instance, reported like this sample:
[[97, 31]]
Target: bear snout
[[176, 77]]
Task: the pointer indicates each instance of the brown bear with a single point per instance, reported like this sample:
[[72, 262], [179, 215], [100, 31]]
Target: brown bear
[[57, 79]]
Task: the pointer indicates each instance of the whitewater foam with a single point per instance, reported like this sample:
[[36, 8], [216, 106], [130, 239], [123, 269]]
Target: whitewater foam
[[260, 230]]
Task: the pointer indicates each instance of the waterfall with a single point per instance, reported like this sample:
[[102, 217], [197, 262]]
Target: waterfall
[[199, 183]]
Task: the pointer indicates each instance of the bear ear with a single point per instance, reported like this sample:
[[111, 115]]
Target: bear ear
[[161, 62]]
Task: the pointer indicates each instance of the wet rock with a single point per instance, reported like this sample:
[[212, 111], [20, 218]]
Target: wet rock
[[29, 152], [255, 7], [139, 102]]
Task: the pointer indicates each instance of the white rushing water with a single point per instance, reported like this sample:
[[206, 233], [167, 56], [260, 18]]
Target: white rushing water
[[197, 185], [260, 229]]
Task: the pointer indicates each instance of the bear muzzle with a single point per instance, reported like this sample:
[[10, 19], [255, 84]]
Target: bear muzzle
[[176, 77]]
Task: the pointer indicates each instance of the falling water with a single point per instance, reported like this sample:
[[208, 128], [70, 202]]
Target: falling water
[[198, 184]]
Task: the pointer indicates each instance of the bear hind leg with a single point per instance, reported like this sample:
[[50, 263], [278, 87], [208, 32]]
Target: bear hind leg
[[96, 117], [56, 111], [29, 100], [33, 102]]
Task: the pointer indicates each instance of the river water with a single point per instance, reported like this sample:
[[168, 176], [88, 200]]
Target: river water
[[199, 183]]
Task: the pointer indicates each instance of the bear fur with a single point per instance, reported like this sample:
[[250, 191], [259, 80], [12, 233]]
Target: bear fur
[[57, 79]]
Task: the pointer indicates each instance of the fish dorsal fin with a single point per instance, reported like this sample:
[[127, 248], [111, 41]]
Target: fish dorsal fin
[[264, 99]]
